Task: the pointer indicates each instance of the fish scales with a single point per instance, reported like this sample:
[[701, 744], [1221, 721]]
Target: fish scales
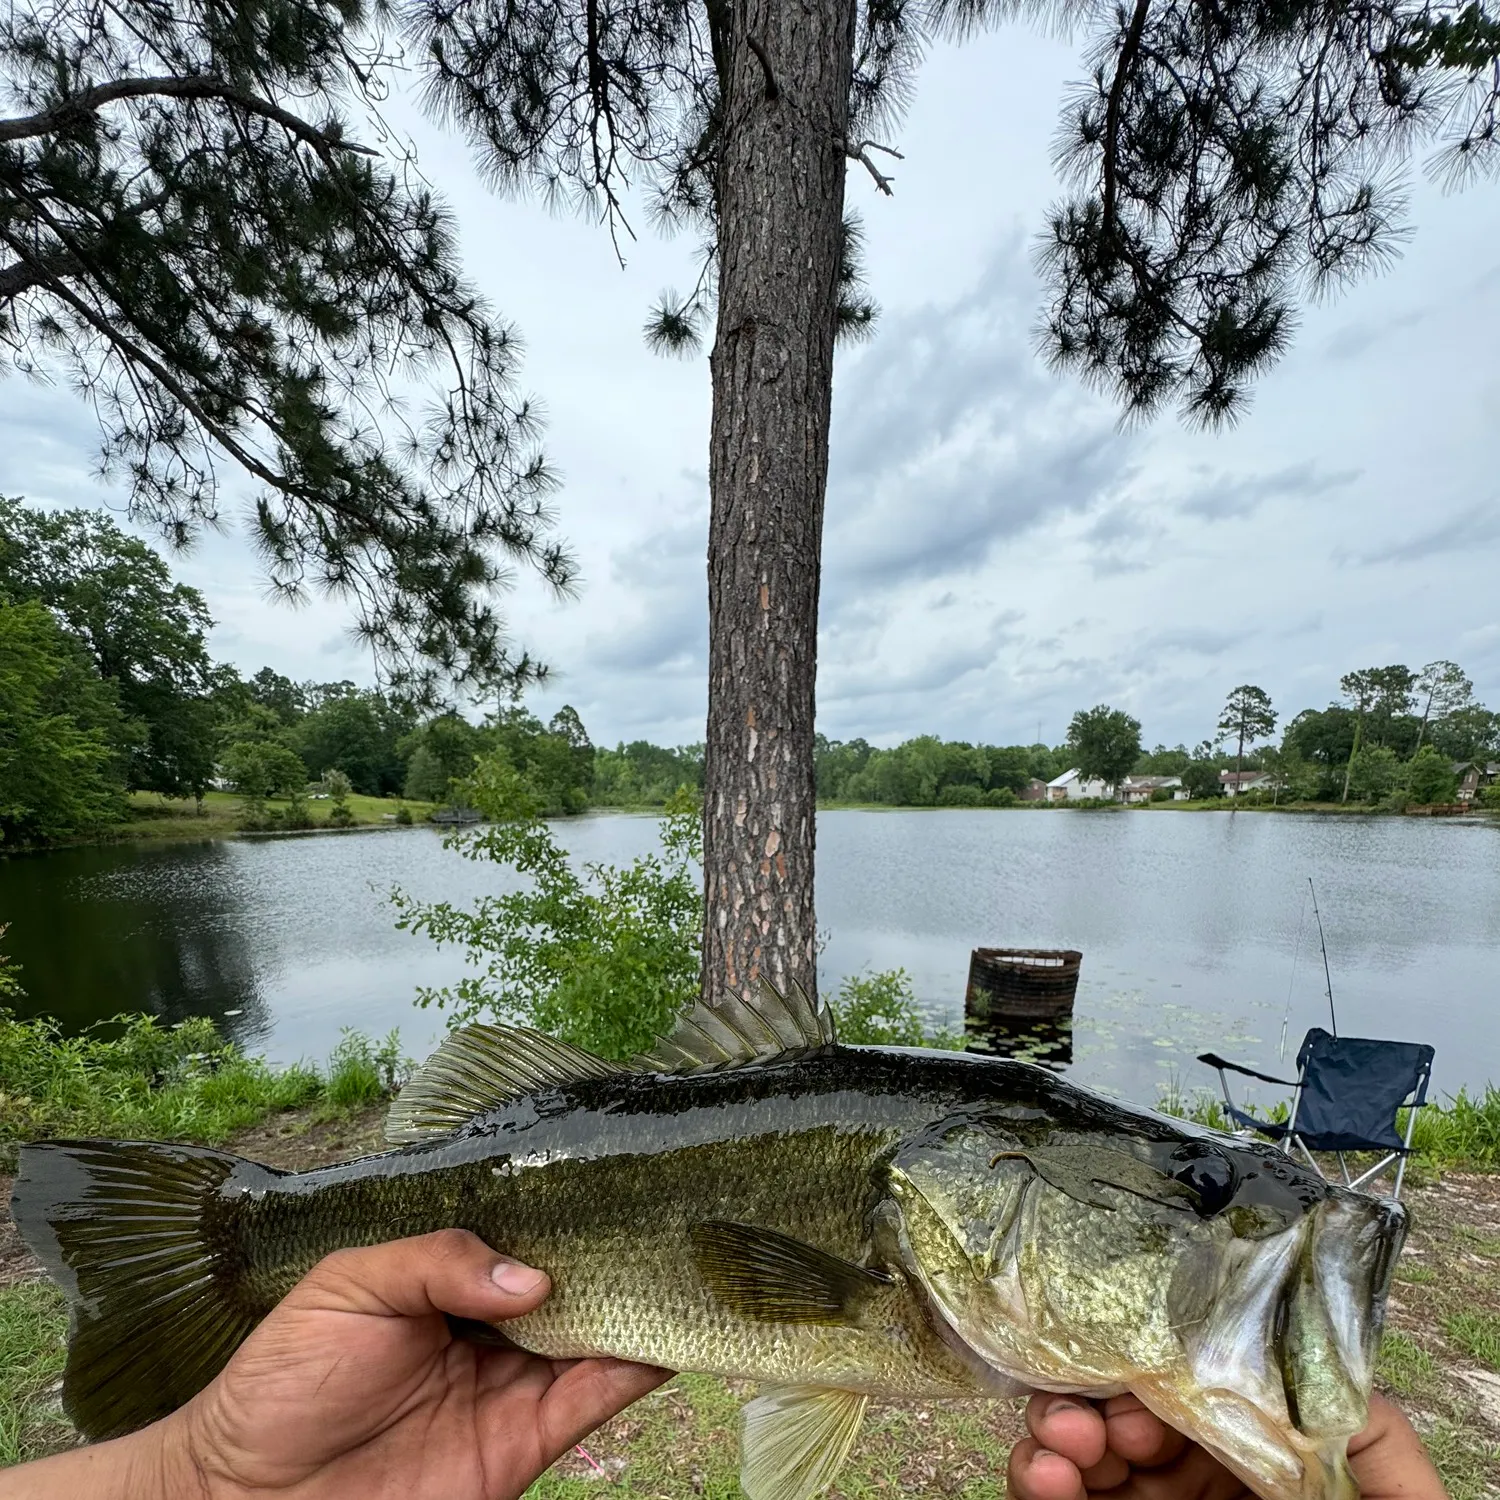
[[751, 1199]]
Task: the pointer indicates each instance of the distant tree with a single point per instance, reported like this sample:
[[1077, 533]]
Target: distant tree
[[1292, 778], [190, 237], [1441, 689], [258, 769], [58, 732], [356, 732], [1201, 778], [1374, 692], [146, 634], [339, 787], [1376, 773], [1160, 761], [286, 699], [438, 753], [1468, 734], [1247, 717], [1430, 776], [1105, 743]]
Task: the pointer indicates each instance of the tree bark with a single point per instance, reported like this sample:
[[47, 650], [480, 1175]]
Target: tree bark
[[781, 200]]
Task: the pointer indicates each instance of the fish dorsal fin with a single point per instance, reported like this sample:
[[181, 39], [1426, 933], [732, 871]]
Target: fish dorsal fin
[[478, 1069], [796, 1439], [773, 1278], [741, 1032]]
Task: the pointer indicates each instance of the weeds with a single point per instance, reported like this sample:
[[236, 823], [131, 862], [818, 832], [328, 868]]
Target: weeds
[[182, 1082], [1477, 1334], [1405, 1366], [882, 1010], [33, 1325]]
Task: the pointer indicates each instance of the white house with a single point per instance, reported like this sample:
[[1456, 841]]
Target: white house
[[1139, 788], [1235, 782], [1071, 787]]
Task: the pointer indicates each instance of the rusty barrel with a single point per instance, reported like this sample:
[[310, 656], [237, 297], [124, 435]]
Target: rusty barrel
[[1020, 984]]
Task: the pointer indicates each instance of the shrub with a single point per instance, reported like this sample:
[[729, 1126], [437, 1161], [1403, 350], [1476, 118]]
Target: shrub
[[604, 957], [964, 795], [1430, 776], [1000, 796], [881, 1010], [1489, 796], [403, 815]]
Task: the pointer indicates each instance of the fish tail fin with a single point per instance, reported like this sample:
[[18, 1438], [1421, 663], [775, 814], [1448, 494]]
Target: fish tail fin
[[140, 1236]]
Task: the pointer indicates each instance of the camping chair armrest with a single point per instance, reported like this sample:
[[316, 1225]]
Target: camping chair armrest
[[1221, 1063]]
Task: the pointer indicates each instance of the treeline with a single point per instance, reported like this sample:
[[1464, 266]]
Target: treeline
[[107, 688], [931, 772]]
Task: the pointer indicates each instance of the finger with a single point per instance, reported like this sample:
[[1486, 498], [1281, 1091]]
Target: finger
[[590, 1393], [1069, 1426], [451, 1271], [1139, 1436], [1110, 1471], [1037, 1473], [1388, 1458]]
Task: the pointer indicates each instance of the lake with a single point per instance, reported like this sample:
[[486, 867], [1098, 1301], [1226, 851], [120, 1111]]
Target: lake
[[1195, 928]]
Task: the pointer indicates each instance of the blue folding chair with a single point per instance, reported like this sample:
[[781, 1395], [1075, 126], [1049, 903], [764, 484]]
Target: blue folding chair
[[1345, 1098]]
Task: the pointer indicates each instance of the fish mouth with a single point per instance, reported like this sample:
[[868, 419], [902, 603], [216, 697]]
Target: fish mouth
[[1282, 1365]]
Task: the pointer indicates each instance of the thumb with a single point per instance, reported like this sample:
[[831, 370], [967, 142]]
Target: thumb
[[451, 1271]]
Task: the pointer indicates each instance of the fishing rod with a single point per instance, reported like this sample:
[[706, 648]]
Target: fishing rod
[[1327, 976]]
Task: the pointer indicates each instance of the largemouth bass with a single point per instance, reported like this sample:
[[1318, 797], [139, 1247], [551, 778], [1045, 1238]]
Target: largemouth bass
[[752, 1199]]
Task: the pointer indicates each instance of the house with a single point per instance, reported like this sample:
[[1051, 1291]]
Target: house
[[1072, 787], [1472, 775], [1035, 790], [1136, 789], [1235, 782]]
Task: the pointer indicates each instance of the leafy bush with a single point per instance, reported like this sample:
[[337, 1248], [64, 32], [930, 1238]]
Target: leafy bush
[[164, 1082], [882, 1010], [403, 815], [1489, 797], [962, 795], [1430, 777], [360, 1073], [999, 796], [605, 958]]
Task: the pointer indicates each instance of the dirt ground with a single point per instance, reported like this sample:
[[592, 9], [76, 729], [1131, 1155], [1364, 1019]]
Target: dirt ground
[[1440, 1361]]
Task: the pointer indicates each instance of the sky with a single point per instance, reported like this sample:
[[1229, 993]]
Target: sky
[[998, 552]]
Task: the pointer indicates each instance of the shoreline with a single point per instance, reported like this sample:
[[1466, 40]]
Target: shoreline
[[173, 824]]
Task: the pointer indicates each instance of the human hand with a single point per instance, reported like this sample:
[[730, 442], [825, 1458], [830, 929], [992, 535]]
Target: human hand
[[1078, 1448], [354, 1386]]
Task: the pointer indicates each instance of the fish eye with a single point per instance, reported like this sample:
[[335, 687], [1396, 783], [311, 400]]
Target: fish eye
[[1209, 1173]]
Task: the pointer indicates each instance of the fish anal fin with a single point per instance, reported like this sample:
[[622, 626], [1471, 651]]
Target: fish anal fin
[[773, 1278], [743, 1031], [796, 1439], [480, 1068]]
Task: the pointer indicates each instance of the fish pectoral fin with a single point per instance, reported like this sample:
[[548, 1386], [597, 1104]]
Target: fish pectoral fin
[[773, 1278], [480, 1068], [796, 1439]]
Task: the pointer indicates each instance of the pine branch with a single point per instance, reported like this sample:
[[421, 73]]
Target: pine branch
[[80, 106], [860, 151]]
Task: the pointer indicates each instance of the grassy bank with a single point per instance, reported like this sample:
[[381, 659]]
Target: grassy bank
[[162, 818]]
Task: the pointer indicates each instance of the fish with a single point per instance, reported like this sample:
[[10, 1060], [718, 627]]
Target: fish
[[753, 1199]]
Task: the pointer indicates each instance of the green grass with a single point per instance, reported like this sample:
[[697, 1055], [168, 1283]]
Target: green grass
[[1467, 1460], [1405, 1366], [134, 1077], [154, 817], [1415, 1274], [1477, 1334], [1462, 1131], [33, 1326]]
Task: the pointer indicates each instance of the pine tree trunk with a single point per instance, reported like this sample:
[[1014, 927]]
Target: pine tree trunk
[[781, 199]]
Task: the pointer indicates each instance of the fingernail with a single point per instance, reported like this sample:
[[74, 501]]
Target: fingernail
[[512, 1277], [1065, 1405]]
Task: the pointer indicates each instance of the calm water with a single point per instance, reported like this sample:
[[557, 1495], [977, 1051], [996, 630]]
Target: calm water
[[1189, 925]]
